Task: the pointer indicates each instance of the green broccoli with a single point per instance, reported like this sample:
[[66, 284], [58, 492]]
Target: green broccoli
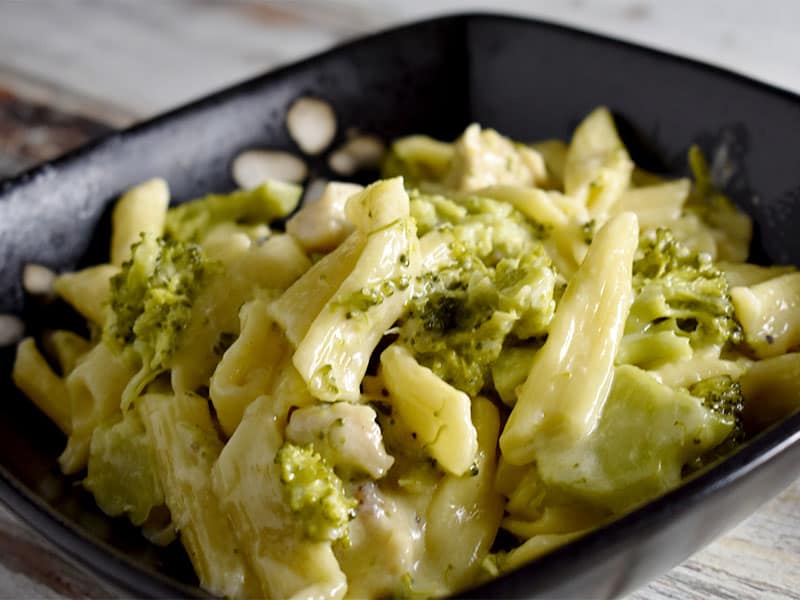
[[315, 493], [461, 314], [151, 298], [500, 283], [723, 396], [680, 291], [122, 473], [192, 221]]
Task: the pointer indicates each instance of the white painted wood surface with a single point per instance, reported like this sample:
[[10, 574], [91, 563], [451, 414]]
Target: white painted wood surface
[[122, 60]]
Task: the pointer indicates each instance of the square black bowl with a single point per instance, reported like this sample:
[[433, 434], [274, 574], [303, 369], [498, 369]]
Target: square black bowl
[[529, 80]]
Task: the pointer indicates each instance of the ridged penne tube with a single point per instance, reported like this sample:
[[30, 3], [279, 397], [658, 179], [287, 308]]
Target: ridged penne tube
[[186, 447], [571, 375], [142, 209], [297, 307], [769, 313], [335, 352], [437, 413], [378, 205], [469, 505], [95, 390], [247, 483], [66, 347], [249, 366], [597, 166], [655, 205], [36, 379], [534, 203], [87, 291]]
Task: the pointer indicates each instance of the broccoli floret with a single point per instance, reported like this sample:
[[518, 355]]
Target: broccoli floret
[[501, 283], [315, 493], [723, 396], [680, 291], [490, 229], [454, 327], [271, 200], [151, 298], [121, 472], [460, 315]]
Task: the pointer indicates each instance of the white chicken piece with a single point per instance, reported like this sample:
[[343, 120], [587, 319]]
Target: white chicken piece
[[346, 435], [322, 225]]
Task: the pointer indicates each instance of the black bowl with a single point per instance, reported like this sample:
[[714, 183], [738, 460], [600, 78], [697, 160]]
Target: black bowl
[[527, 79]]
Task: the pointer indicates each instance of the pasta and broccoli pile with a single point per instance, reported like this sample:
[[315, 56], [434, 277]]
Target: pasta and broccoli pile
[[534, 338]]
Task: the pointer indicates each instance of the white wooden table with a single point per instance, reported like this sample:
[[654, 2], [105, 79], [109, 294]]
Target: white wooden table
[[116, 62]]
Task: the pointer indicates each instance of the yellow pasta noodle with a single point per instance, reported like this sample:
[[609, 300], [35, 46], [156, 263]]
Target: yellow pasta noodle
[[248, 367], [87, 291], [142, 209], [36, 379], [186, 447]]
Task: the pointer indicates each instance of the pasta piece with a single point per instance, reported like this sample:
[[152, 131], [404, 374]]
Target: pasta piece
[[142, 209], [378, 205], [186, 447], [87, 291], [297, 307], [571, 375], [67, 348], [534, 203], [95, 391], [346, 435], [597, 166], [248, 367], [704, 364], [769, 313], [746, 274], [655, 205], [468, 505], [247, 483], [437, 413], [771, 390], [322, 225], [45, 389], [334, 354]]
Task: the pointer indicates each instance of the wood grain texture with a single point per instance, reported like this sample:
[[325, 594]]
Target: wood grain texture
[[66, 66]]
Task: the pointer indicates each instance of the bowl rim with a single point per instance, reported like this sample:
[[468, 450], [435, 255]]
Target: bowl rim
[[127, 575]]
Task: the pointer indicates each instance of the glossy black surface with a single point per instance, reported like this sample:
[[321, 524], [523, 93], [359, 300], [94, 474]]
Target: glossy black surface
[[527, 79]]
